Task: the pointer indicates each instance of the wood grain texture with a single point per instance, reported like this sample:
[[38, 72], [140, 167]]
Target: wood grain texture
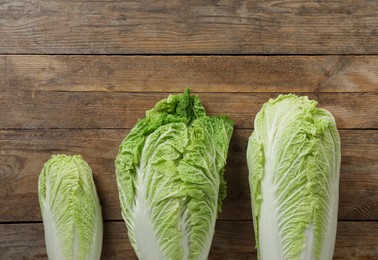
[[23, 152], [54, 102], [57, 109], [205, 26], [232, 240], [199, 73]]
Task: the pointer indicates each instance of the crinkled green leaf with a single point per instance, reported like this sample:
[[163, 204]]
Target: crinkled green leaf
[[294, 162], [70, 209], [170, 179]]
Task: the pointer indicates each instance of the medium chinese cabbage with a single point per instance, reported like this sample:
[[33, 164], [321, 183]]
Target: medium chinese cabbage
[[170, 179], [294, 162], [70, 208]]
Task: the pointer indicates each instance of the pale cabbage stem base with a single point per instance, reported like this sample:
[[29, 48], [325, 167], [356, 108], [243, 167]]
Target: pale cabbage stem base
[[270, 240]]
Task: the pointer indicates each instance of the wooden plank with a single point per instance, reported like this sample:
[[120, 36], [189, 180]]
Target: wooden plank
[[51, 109], [232, 240], [199, 73], [23, 152], [221, 27]]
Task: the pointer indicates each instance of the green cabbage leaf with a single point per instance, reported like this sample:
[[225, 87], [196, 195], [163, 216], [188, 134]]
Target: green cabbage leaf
[[70, 208], [170, 171], [294, 162]]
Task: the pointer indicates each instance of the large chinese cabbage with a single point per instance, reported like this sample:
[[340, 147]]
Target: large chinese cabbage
[[170, 179], [70, 209], [294, 161]]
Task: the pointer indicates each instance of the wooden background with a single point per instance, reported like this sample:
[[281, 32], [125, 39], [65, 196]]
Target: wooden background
[[76, 75]]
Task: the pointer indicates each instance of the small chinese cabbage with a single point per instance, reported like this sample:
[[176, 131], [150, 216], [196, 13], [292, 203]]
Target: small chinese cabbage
[[70, 209], [294, 162], [170, 179]]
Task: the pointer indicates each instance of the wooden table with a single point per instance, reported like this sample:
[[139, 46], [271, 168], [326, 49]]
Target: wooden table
[[76, 75]]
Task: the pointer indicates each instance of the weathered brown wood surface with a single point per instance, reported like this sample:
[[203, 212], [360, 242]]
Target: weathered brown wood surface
[[61, 109], [202, 26], [239, 74], [25, 151], [75, 76], [232, 240]]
